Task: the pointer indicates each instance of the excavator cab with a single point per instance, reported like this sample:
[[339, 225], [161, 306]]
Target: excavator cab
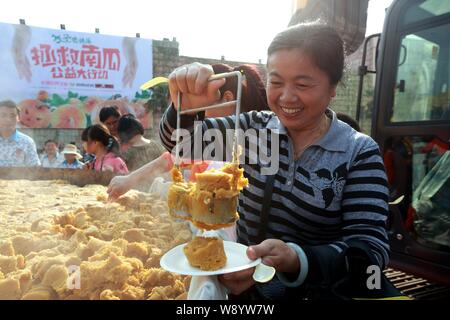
[[409, 117], [411, 123]]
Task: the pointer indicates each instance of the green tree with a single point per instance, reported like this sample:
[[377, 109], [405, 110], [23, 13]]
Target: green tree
[[159, 98]]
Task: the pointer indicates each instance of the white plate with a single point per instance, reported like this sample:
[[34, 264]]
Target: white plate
[[237, 260]]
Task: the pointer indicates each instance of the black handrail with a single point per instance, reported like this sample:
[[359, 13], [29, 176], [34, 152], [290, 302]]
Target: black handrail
[[362, 71]]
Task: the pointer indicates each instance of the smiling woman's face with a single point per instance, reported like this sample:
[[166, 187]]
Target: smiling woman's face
[[297, 90]]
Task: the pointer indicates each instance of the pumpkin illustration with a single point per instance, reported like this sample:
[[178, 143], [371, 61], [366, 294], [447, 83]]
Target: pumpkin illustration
[[91, 103], [69, 116], [34, 114], [42, 95]]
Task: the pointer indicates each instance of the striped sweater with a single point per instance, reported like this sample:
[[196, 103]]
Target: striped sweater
[[335, 193]]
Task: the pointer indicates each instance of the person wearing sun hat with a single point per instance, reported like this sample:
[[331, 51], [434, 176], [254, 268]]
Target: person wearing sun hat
[[72, 157]]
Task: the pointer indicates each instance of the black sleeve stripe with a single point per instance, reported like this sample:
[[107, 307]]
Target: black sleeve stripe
[[250, 141], [341, 245], [162, 124], [167, 142], [365, 232], [209, 124], [367, 180], [221, 126], [244, 117], [367, 154], [256, 117], [364, 208], [365, 194], [375, 223], [230, 122], [169, 145], [167, 132], [170, 116], [368, 166], [381, 252]]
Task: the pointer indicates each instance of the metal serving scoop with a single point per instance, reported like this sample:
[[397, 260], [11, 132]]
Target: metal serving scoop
[[237, 103]]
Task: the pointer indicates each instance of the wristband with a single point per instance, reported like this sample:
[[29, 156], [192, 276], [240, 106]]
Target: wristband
[[303, 268]]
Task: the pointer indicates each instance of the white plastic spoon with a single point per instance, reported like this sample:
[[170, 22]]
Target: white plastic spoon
[[397, 201], [263, 273]]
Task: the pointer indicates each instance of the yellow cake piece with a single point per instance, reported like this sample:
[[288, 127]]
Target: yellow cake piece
[[206, 253], [210, 202]]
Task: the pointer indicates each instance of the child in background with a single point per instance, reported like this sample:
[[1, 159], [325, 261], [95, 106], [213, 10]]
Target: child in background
[[72, 157], [98, 140], [253, 98]]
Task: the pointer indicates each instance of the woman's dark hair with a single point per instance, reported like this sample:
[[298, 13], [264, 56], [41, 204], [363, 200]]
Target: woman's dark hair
[[9, 104], [321, 42], [51, 141], [348, 120], [100, 133], [128, 127], [253, 94], [106, 112]]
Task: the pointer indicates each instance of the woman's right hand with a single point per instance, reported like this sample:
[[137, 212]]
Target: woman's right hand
[[192, 81], [118, 186]]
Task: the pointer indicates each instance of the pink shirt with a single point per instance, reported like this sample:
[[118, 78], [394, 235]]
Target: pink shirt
[[111, 162]]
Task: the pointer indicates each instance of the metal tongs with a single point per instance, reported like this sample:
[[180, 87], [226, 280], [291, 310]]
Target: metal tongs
[[263, 273], [236, 102]]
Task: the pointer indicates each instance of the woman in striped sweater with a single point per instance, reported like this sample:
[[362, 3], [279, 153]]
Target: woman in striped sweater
[[330, 191]]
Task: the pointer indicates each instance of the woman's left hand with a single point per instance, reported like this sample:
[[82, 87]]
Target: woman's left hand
[[273, 252]]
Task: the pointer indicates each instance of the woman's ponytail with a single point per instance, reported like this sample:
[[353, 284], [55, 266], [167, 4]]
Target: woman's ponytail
[[254, 92], [99, 132], [113, 145]]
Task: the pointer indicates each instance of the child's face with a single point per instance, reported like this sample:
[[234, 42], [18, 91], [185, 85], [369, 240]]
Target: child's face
[[297, 90], [70, 157], [8, 118], [91, 146]]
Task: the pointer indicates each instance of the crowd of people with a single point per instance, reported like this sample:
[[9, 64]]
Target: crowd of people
[[328, 197], [117, 143], [102, 149]]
